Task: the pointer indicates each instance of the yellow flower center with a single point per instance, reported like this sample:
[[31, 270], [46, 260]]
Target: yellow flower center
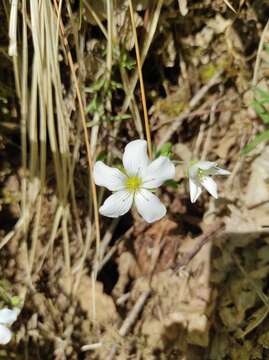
[[200, 174], [133, 183]]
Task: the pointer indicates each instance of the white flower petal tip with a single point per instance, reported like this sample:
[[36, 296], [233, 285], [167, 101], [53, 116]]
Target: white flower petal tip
[[158, 172], [111, 178], [7, 318], [210, 185], [149, 206], [5, 335], [195, 190], [220, 171], [200, 173], [141, 175], [135, 157], [117, 204]]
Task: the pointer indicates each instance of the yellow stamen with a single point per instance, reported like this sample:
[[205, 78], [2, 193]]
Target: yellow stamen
[[133, 183]]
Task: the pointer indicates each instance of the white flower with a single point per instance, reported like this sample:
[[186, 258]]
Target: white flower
[[7, 318], [135, 184], [200, 176]]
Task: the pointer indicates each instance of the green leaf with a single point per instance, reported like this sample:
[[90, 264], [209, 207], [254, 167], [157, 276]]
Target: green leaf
[[261, 111], [262, 93], [115, 85], [266, 47], [264, 136], [92, 123], [126, 61], [119, 117], [93, 106], [95, 87], [171, 183], [15, 301], [165, 150], [101, 157]]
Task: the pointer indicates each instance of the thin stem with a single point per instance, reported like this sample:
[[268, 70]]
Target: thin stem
[[141, 81], [109, 8], [96, 18], [144, 51]]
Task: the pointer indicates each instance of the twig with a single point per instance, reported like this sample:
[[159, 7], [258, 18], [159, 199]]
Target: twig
[[230, 6], [112, 250], [107, 237], [131, 318], [91, 346], [194, 101], [258, 58], [200, 242], [123, 298], [133, 314], [209, 133], [83, 258], [199, 141], [257, 204]]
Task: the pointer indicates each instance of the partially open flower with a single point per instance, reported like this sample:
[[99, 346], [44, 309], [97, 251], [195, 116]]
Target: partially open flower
[[7, 318], [134, 185], [200, 173]]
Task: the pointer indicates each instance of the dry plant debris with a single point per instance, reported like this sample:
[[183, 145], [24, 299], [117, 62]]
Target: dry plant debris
[[81, 79]]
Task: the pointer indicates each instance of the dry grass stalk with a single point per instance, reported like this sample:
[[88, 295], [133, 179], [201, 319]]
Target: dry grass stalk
[[142, 87], [146, 45], [87, 143]]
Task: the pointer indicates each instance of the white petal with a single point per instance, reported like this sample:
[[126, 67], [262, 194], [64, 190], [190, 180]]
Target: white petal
[[210, 185], [195, 190], [193, 170], [7, 316], [111, 178], [149, 206], [220, 171], [5, 335], [135, 157], [157, 172], [205, 165], [117, 204]]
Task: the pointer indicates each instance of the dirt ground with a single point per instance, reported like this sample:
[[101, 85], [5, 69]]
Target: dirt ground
[[193, 285]]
